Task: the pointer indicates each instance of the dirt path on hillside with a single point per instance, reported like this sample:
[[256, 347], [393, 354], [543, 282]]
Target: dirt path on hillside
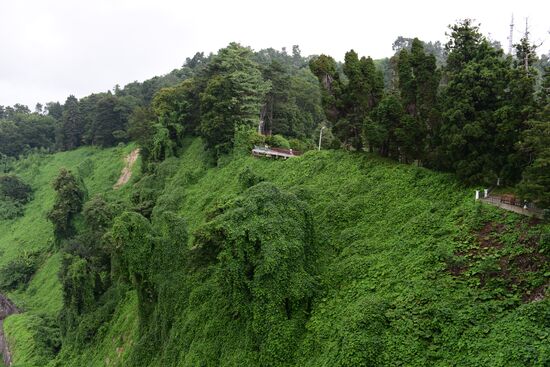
[[6, 308], [126, 173]]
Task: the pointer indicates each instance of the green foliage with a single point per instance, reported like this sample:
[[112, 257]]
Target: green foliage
[[132, 242], [324, 68], [293, 104], [326, 259], [14, 193], [482, 104], [262, 242], [535, 143], [71, 129], [98, 213], [418, 84], [348, 105], [37, 338], [105, 122], [23, 132], [78, 291], [535, 185], [33, 233], [14, 188], [382, 128], [232, 97], [328, 140], [245, 139], [315, 234], [160, 130], [19, 271], [277, 141], [10, 209], [360, 96], [68, 203], [47, 336], [247, 178], [178, 106]]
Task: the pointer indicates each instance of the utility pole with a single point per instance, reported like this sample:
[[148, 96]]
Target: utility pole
[[528, 51], [511, 36], [260, 127], [320, 137]]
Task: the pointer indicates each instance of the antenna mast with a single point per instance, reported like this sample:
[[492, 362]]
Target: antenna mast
[[511, 36], [528, 51]]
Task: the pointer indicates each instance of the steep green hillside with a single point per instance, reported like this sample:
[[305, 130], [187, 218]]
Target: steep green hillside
[[330, 259], [335, 259], [42, 299]]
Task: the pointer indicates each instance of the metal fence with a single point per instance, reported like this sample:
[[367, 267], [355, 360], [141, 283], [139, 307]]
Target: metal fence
[[514, 204]]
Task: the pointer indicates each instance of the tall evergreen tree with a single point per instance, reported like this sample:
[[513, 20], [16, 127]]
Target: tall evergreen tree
[[70, 131], [535, 144], [232, 97], [381, 127], [361, 94], [477, 78], [106, 119], [276, 112], [418, 84], [520, 107], [324, 68], [55, 110]]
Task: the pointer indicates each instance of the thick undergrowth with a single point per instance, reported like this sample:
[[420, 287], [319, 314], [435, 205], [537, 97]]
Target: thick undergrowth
[[329, 259]]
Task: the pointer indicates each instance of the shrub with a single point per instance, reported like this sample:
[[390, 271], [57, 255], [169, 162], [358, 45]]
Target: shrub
[[68, 203], [98, 214], [48, 335], [245, 139], [545, 243], [10, 209], [247, 178], [301, 145], [15, 189], [278, 141], [19, 271]]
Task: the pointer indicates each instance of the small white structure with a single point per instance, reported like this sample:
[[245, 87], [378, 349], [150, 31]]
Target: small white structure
[[274, 152], [477, 194]]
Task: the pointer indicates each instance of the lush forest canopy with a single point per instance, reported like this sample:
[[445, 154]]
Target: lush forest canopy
[[463, 107], [357, 255]]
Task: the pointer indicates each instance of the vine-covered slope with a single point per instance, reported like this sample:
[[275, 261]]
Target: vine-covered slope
[[329, 259]]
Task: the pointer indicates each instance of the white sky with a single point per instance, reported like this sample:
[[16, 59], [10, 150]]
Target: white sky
[[53, 48]]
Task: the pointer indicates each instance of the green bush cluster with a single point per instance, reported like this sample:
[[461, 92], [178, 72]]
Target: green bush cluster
[[14, 194], [19, 271], [68, 203]]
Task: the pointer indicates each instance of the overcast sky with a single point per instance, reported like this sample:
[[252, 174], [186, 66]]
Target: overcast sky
[[53, 48]]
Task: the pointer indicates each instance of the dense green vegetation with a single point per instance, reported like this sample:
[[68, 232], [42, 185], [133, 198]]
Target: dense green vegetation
[[291, 263], [29, 264], [347, 256], [465, 108]]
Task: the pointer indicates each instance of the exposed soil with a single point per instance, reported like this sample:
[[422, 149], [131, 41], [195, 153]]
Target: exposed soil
[[513, 265], [457, 269], [486, 238], [126, 173], [536, 294]]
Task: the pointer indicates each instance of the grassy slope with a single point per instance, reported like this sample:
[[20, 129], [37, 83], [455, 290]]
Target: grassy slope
[[388, 235], [99, 169]]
